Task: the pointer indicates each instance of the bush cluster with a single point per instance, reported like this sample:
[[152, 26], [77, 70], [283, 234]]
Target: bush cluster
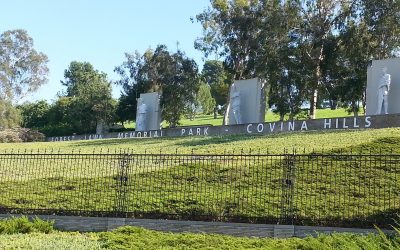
[[21, 135], [22, 225]]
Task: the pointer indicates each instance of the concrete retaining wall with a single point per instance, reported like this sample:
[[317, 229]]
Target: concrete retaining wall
[[98, 224], [264, 128]]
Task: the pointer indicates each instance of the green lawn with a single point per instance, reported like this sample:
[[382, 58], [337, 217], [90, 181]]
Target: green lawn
[[269, 117], [90, 184]]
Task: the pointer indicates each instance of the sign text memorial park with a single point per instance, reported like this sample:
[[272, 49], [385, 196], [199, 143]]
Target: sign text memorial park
[[359, 122]]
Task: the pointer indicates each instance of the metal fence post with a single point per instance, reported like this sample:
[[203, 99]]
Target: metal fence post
[[288, 181], [122, 186]]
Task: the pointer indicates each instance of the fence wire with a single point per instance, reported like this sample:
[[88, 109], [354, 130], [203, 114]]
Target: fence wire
[[342, 189]]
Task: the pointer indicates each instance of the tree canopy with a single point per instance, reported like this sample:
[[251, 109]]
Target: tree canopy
[[172, 74], [306, 49], [88, 98], [22, 69]]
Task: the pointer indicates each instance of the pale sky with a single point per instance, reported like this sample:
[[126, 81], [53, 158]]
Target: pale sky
[[101, 31]]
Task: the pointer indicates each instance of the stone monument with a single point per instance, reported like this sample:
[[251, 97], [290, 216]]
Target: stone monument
[[101, 127], [235, 102], [247, 102], [148, 114], [383, 87], [383, 92], [141, 116]]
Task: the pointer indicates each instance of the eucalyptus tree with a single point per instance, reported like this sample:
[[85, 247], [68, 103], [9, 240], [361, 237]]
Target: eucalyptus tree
[[231, 30], [323, 45], [382, 21], [373, 32], [174, 75], [321, 21], [256, 39], [133, 74], [22, 69]]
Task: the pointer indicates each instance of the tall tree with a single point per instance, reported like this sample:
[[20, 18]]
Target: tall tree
[[321, 19], [136, 76], [230, 30], [22, 69], [372, 32], [178, 76], [280, 61], [9, 116], [174, 75], [215, 75], [90, 95], [382, 20], [271, 38], [204, 99]]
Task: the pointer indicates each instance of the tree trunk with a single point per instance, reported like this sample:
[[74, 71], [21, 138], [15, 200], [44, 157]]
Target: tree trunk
[[333, 104], [313, 104], [364, 102], [354, 105], [215, 112]]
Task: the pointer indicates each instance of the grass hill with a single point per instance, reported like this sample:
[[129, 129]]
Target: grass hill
[[88, 185]]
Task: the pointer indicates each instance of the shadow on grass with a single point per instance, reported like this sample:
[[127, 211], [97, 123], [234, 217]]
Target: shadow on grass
[[187, 141], [383, 219], [244, 137], [384, 145], [128, 141], [202, 141], [381, 145]]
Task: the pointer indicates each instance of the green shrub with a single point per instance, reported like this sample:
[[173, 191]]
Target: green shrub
[[53, 241], [43, 226], [9, 135], [21, 135], [57, 130], [23, 225], [138, 238]]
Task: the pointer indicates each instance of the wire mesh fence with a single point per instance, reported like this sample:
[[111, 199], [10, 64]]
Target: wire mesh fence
[[341, 189]]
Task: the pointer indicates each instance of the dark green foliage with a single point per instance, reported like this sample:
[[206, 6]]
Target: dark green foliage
[[88, 100], [204, 102], [35, 115], [215, 75], [174, 75], [306, 50], [22, 225], [139, 238], [133, 79], [86, 103]]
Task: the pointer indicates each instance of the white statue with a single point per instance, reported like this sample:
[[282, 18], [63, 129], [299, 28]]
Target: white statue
[[383, 91], [236, 105], [141, 116]]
